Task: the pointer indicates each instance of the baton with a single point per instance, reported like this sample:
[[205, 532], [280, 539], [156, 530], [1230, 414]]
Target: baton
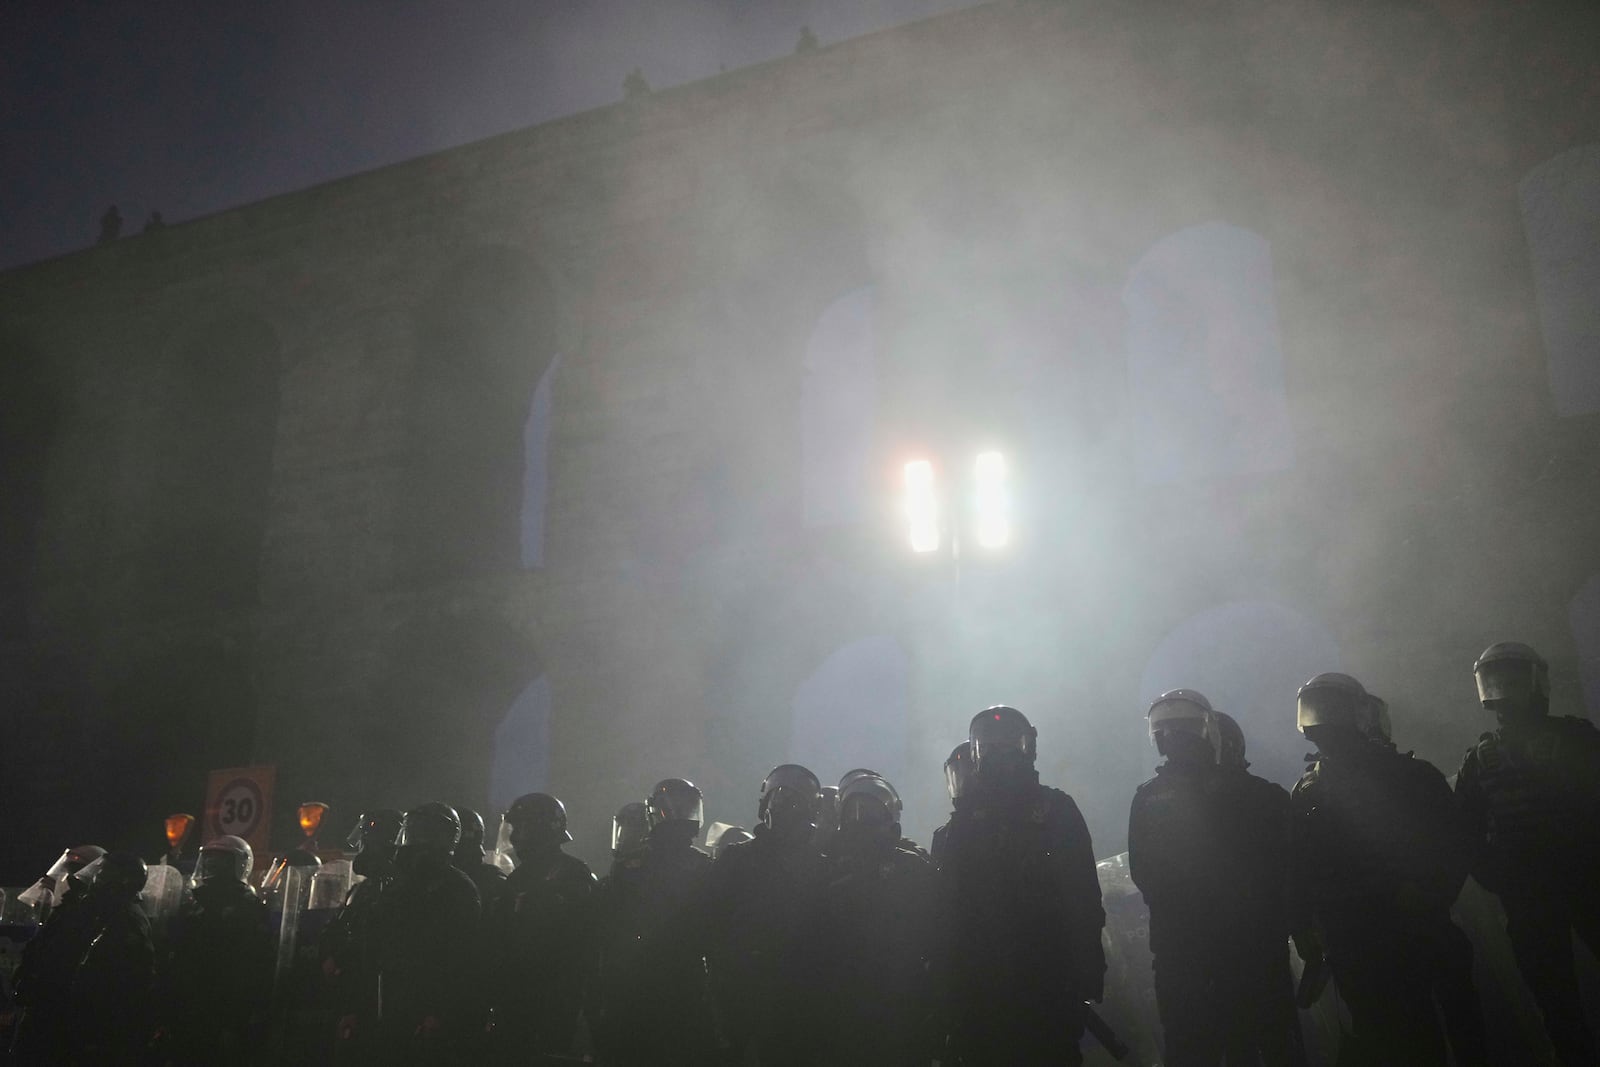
[[1104, 1034]]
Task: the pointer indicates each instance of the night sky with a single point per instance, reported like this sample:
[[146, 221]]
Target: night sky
[[192, 108]]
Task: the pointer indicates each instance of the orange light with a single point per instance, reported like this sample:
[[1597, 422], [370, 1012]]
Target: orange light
[[178, 827], [311, 813]]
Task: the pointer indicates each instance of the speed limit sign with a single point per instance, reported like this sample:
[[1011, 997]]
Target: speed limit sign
[[239, 802]]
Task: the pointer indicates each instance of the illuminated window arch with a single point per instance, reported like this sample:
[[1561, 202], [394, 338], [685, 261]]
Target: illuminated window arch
[[1205, 364], [521, 760], [1584, 613], [852, 711], [480, 416], [1249, 657], [536, 468], [460, 711], [837, 410], [1561, 214]]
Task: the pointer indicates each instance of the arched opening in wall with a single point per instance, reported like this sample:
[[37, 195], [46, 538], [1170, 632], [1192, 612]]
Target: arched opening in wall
[[1584, 613], [1205, 364], [30, 415], [1250, 658], [454, 689], [521, 760], [1561, 214], [218, 430], [180, 713], [480, 410], [838, 411], [852, 711]]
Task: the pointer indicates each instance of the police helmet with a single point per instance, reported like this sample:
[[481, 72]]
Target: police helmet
[[121, 876], [224, 859], [958, 770], [1511, 674], [791, 799], [472, 831], [1185, 711], [1002, 736], [870, 803], [676, 800], [629, 827], [1334, 699], [539, 813], [1231, 736], [434, 825], [376, 828]]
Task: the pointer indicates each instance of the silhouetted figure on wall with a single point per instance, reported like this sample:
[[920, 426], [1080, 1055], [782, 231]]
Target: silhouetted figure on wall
[[1022, 907], [1208, 846], [634, 86], [110, 225], [1530, 794], [155, 222], [808, 42]]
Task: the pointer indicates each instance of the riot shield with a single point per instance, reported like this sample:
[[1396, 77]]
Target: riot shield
[[162, 896], [502, 855], [1129, 1007], [291, 893], [330, 885]]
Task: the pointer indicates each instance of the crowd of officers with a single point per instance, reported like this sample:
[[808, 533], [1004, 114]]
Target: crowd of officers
[[825, 937]]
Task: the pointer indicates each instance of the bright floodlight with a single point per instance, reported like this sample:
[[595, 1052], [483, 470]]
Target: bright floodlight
[[992, 501], [922, 506]]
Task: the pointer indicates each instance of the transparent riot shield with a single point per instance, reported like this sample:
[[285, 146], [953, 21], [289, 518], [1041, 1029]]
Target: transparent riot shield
[[162, 895], [1129, 1007], [331, 885], [291, 893], [502, 855]]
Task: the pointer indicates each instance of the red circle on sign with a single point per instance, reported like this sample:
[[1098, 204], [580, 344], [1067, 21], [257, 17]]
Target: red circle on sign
[[238, 810]]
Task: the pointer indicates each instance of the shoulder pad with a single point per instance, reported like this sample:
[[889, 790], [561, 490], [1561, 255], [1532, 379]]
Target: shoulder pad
[[1576, 724]]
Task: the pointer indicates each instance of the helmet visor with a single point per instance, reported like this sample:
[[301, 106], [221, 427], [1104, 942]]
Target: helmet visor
[[1194, 727], [679, 806], [1506, 679], [956, 773], [1327, 705], [1009, 749], [792, 805], [220, 865]]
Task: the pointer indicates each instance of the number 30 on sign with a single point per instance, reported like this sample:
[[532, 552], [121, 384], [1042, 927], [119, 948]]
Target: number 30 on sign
[[239, 802]]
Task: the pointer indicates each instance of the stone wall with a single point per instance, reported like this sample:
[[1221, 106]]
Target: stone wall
[[266, 506]]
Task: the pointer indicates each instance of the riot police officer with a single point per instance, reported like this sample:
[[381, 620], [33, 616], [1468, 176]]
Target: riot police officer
[[218, 974], [877, 925], [653, 1003], [1023, 910], [1530, 794], [957, 772], [86, 991], [488, 879], [1380, 854], [630, 830], [347, 946], [542, 931], [764, 893], [423, 927], [1208, 847]]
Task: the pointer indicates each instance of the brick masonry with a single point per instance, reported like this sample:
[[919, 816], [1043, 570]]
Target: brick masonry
[[354, 611]]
